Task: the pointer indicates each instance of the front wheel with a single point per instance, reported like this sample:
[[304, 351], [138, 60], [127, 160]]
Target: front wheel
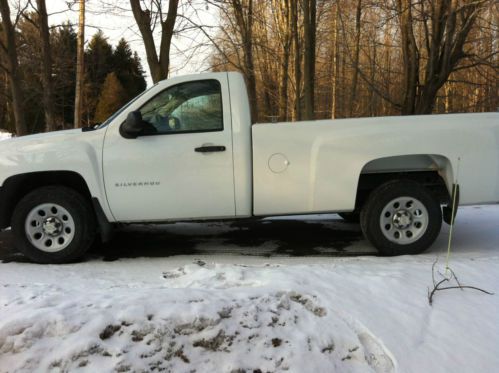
[[401, 217], [53, 224]]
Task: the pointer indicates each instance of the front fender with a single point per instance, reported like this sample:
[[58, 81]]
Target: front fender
[[63, 151]]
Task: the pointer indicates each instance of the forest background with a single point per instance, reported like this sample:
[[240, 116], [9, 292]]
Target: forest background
[[301, 59]]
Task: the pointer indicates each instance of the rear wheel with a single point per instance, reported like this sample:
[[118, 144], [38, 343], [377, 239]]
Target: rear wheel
[[401, 217], [53, 224]]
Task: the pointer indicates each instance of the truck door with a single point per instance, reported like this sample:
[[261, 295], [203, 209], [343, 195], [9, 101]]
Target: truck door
[[184, 170]]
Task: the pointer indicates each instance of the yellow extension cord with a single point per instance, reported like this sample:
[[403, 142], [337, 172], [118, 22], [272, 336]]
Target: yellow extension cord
[[454, 196]]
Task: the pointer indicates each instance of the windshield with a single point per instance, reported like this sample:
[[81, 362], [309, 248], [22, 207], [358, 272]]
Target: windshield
[[123, 108]]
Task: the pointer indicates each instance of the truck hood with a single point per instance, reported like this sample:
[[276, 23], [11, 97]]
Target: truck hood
[[39, 138]]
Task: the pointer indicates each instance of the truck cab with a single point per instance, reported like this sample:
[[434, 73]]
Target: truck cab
[[193, 162]]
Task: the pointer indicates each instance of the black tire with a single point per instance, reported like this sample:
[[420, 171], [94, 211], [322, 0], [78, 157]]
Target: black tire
[[80, 212], [379, 200], [350, 217]]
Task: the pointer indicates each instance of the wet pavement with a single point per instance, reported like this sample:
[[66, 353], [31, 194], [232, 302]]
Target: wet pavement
[[289, 236]]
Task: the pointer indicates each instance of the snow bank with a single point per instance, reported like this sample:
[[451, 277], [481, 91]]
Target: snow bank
[[180, 331], [228, 313], [5, 135]]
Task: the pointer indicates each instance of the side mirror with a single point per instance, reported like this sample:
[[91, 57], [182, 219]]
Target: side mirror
[[133, 125]]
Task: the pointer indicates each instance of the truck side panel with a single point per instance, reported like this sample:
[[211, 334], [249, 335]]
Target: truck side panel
[[310, 167]]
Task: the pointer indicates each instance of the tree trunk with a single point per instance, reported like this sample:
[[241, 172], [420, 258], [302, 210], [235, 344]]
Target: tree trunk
[[167, 28], [244, 19], [250, 68], [373, 107], [334, 60], [80, 66], [158, 66], [48, 86], [353, 92], [446, 47], [297, 59], [286, 49], [447, 102], [283, 94], [410, 55], [309, 14], [12, 68], [388, 67]]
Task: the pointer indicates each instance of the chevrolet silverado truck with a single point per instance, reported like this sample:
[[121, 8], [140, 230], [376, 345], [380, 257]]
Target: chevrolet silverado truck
[[186, 149]]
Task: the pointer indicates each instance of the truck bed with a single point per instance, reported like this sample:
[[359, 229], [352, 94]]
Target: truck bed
[[313, 167]]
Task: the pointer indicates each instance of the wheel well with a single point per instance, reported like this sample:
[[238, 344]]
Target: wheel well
[[429, 179], [16, 187]]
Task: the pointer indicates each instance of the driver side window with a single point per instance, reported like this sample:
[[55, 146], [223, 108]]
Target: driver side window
[[187, 107]]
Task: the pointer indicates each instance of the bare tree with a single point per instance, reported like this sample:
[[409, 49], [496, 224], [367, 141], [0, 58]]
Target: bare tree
[[353, 92], [372, 57], [295, 32], [282, 14], [446, 26], [80, 66], [12, 68], [334, 59], [146, 21], [48, 85], [310, 29], [243, 12]]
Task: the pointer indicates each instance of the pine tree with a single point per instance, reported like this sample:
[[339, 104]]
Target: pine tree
[[98, 58], [127, 66], [98, 64], [111, 98], [63, 42]]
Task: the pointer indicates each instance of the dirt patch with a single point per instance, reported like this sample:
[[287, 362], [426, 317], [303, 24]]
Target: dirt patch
[[276, 342], [180, 354], [308, 304], [215, 343], [109, 331]]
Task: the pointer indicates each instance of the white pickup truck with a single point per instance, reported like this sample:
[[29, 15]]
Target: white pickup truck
[[186, 149]]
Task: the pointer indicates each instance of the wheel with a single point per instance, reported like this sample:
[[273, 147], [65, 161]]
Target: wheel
[[401, 217], [53, 224], [351, 217]]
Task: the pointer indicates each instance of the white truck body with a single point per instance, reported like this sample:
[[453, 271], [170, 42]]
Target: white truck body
[[327, 157], [267, 169]]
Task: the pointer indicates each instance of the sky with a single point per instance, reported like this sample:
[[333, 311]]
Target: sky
[[114, 17]]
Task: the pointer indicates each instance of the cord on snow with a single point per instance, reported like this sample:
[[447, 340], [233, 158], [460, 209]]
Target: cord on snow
[[447, 279]]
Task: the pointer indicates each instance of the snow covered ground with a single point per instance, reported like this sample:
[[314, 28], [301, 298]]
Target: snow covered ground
[[5, 135], [223, 312]]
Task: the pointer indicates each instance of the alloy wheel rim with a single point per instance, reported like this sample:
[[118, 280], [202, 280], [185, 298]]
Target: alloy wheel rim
[[50, 227], [404, 220]]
